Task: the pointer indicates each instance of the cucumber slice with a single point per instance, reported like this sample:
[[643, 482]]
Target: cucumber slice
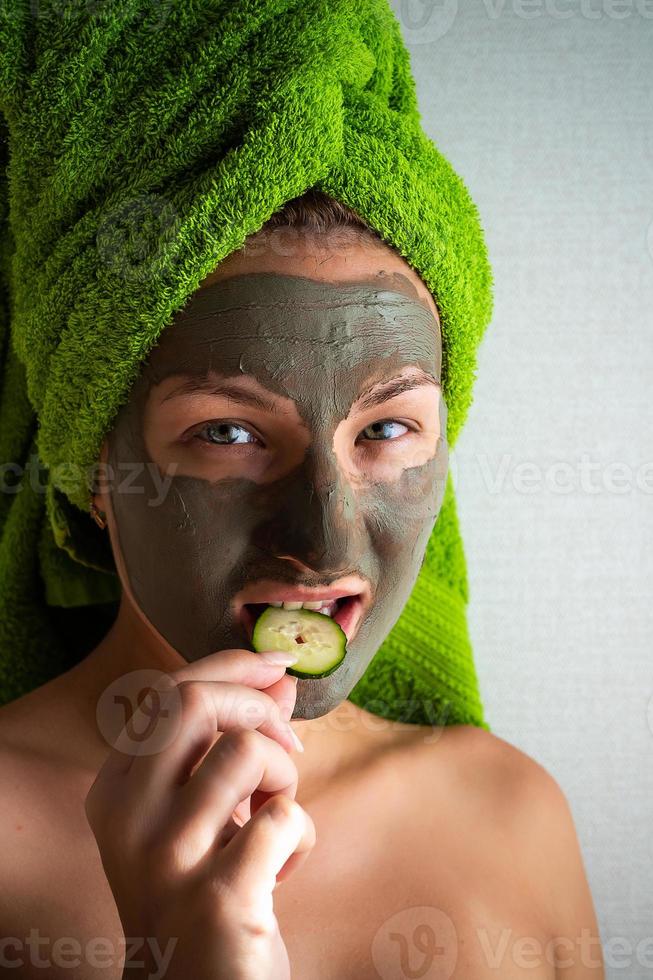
[[319, 640]]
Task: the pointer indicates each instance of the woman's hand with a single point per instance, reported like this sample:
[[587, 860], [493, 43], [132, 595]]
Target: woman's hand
[[178, 864]]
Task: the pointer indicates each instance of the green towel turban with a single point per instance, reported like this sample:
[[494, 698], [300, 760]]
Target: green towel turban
[[141, 142]]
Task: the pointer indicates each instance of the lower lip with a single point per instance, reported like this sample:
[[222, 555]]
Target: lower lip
[[348, 618]]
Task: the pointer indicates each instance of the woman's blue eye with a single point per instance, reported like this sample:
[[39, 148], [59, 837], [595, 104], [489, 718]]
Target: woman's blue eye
[[216, 431], [382, 427]]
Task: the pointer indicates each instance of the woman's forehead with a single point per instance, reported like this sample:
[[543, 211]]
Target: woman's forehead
[[287, 324], [314, 341], [343, 258]]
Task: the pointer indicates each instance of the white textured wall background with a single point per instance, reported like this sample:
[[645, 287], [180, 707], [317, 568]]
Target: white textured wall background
[[545, 107]]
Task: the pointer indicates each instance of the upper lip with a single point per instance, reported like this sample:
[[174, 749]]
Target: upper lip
[[270, 591]]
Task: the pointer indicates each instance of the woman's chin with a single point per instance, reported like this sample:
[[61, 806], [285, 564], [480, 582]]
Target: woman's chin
[[317, 697]]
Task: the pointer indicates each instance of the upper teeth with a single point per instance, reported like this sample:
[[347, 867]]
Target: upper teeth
[[303, 605]]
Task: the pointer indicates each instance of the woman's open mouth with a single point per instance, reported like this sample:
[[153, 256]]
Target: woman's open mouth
[[346, 611]]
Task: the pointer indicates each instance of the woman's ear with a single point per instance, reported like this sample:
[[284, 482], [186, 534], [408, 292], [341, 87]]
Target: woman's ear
[[99, 497]]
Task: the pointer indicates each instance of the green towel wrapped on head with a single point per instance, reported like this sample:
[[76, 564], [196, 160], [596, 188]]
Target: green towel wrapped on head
[[141, 143]]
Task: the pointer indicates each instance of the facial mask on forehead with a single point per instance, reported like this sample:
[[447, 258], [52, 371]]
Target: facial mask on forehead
[[311, 482]]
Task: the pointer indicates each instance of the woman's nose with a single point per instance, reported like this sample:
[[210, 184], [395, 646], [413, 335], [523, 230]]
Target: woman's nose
[[317, 524]]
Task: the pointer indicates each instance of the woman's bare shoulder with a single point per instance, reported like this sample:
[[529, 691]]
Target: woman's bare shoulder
[[30, 771], [491, 768], [520, 807], [510, 785], [485, 774], [39, 722], [495, 764]]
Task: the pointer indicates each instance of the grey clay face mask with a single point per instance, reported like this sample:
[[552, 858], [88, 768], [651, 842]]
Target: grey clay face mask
[[233, 508]]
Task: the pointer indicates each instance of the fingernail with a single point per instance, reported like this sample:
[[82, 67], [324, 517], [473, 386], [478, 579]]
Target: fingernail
[[279, 657], [295, 738]]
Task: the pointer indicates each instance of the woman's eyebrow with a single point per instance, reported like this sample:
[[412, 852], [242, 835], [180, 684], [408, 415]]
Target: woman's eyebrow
[[223, 389], [379, 393], [382, 391]]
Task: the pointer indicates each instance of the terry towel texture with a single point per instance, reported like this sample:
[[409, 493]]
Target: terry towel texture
[[141, 142]]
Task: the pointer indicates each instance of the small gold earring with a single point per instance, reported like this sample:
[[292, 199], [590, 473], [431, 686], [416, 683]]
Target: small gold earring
[[99, 517]]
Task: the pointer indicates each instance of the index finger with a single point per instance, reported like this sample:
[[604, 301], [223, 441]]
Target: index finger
[[236, 666]]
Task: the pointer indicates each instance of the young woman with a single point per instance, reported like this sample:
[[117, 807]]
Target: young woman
[[205, 844], [269, 416]]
